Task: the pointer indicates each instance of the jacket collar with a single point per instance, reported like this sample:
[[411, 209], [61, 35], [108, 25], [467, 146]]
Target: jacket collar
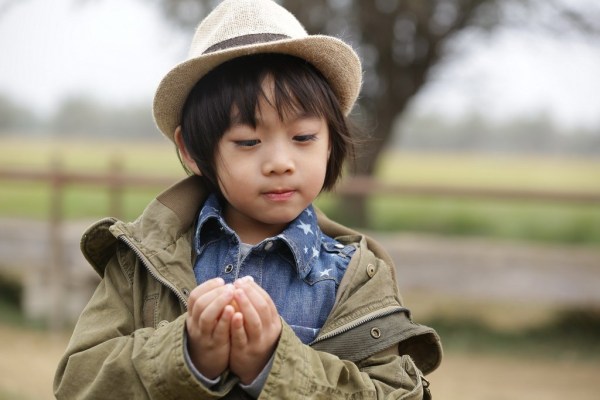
[[172, 214]]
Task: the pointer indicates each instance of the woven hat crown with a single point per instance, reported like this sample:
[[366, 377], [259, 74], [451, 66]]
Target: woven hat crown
[[236, 21], [238, 28]]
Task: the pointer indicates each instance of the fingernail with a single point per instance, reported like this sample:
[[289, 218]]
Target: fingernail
[[248, 278]]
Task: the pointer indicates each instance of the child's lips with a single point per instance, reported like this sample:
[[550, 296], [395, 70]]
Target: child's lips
[[280, 195]]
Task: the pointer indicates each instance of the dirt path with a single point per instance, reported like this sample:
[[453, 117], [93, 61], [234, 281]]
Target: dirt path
[[487, 377], [27, 362]]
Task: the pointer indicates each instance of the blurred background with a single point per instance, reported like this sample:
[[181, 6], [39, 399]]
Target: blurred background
[[481, 175]]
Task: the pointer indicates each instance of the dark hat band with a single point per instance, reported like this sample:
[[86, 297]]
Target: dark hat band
[[245, 40]]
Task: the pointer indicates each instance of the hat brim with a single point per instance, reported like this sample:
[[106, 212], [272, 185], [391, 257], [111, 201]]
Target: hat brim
[[337, 61]]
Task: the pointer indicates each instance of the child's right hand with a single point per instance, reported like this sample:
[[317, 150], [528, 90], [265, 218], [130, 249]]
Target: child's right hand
[[208, 325], [255, 330]]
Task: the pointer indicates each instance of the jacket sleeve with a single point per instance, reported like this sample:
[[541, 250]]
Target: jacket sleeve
[[107, 357], [300, 371]]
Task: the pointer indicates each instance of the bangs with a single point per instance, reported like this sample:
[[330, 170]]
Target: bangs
[[297, 89]]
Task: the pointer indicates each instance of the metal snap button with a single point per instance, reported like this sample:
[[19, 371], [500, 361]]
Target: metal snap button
[[371, 270], [228, 268], [375, 333], [162, 323]]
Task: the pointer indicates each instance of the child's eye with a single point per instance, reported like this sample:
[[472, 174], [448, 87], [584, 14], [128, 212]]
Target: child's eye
[[247, 143], [305, 138]]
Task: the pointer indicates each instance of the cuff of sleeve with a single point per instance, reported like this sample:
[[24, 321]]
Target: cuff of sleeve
[[256, 386], [209, 383]]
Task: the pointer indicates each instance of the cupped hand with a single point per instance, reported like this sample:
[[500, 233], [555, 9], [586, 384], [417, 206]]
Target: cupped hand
[[208, 326], [255, 330]]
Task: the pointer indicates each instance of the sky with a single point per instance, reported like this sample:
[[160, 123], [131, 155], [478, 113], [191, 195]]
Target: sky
[[118, 50]]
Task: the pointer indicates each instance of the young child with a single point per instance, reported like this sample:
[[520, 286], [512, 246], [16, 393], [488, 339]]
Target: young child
[[231, 284]]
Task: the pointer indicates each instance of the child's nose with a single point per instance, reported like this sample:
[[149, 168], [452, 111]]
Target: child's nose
[[278, 160]]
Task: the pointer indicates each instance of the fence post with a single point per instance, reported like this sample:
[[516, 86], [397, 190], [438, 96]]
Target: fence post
[[57, 259]]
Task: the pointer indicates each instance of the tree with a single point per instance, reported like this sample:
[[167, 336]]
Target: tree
[[401, 41], [15, 118]]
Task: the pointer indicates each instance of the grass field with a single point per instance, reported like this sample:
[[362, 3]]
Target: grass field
[[527, 220]]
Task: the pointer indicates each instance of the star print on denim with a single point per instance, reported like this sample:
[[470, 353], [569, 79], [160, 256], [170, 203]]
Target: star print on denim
[[306, 228], [296, 267]]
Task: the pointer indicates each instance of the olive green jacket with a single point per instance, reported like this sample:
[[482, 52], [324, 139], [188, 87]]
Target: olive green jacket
[[129, 340]]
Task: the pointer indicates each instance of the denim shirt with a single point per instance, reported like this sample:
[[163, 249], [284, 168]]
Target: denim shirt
[[301, 268]]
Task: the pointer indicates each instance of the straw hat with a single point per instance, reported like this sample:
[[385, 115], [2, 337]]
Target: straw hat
[[243, 27]]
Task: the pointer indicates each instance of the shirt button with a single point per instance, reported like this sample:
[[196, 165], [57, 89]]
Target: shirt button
[[268, 246], [339, 246], [228, 268]]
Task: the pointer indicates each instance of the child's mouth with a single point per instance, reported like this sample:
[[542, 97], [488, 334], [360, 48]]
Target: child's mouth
[[280, 195]]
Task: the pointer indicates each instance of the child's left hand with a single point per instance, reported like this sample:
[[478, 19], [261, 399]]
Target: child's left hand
[[255, 330]]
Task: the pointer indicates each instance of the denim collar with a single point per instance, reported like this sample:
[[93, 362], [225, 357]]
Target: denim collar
[[302, 236]]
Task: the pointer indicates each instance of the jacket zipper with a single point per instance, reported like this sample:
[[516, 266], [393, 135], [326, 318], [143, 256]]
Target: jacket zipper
[[150, 268], [362, 320]]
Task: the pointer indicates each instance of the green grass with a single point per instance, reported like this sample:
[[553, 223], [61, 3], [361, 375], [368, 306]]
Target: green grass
[[492, 171], [524, 220]]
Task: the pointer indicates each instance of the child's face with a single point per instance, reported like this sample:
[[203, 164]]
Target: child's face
[[270, 174]]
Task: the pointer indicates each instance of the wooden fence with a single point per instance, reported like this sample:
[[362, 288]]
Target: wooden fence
[[115, 180]]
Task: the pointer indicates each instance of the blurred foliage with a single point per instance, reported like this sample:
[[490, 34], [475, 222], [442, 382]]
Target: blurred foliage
[[10, 290], [534, 134], [79, 116], [16, 117], [84, 117]]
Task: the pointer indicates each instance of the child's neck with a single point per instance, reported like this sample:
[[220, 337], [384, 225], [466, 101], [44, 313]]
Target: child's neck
[[254, 236], [251, 231]]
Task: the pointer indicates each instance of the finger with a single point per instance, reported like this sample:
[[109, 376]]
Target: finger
[[222, 328], [266, 306], [252, 318], [239, 338], [204, 288], [208, 297], [208, 314], [261, 300]]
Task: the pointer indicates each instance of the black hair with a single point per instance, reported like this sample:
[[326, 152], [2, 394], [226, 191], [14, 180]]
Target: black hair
[[237, 85]]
